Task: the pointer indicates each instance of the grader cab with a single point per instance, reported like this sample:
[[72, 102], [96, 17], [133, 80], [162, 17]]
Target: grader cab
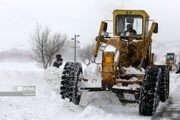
[[129, 47]]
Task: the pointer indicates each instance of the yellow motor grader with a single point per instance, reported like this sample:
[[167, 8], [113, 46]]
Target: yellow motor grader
[[130, 46], [170, 61]]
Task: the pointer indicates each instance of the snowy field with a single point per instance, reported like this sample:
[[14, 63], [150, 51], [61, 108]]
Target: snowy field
[[48, 105]]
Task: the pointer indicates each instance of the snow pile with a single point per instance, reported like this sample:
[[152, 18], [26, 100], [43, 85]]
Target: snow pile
[[110, 48], [46, 105], [174, 81], [128, 87], [53, 77], [93, 74], [132, 70]]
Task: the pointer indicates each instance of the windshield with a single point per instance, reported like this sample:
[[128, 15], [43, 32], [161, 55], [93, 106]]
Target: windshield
[[170, 56], [129, 23]]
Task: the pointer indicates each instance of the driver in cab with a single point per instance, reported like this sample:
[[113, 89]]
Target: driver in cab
[[130, 31]]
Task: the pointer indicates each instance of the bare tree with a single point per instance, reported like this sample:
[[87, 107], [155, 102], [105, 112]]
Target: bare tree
[[87, 54], [45, 45]]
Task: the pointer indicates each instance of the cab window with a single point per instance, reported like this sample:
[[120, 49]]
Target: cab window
[[123, 21]]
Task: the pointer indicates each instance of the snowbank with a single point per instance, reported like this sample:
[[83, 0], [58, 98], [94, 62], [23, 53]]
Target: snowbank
[[93, 74], [48, 105]]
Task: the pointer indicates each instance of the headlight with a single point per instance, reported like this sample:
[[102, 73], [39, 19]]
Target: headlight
[[122, 34], [102, 33], [127, 33]]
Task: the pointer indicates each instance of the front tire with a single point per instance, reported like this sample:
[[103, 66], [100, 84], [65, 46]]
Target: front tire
[[70, 82], [149, 94]]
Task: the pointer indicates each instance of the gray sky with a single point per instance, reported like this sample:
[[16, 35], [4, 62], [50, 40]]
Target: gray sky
[[19, 17]]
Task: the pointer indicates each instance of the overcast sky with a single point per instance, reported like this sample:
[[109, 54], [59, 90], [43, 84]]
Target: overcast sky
[[18, 18]]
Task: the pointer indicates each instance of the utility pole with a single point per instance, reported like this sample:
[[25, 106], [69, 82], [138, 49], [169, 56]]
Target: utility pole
[[75, 45]]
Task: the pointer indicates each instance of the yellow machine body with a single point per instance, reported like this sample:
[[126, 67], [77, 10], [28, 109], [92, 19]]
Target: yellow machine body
[[130, 51]]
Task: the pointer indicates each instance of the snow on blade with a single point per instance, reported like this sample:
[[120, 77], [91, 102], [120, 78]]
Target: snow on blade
[[110, 48], [132, 70]]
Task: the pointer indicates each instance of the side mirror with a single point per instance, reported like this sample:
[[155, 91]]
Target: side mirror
[[155, 28], [103, 28]]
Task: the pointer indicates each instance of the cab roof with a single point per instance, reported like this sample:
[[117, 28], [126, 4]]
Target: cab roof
[[131, 12]]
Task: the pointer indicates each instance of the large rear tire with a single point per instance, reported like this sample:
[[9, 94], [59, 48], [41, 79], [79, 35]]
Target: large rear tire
[[164, 83], [149, 94], [70, 82]]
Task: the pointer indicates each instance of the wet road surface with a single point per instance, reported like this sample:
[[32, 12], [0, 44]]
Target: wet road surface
[[170, 110]]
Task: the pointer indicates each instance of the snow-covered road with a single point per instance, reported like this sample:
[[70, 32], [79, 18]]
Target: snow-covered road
[[48, 105]]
